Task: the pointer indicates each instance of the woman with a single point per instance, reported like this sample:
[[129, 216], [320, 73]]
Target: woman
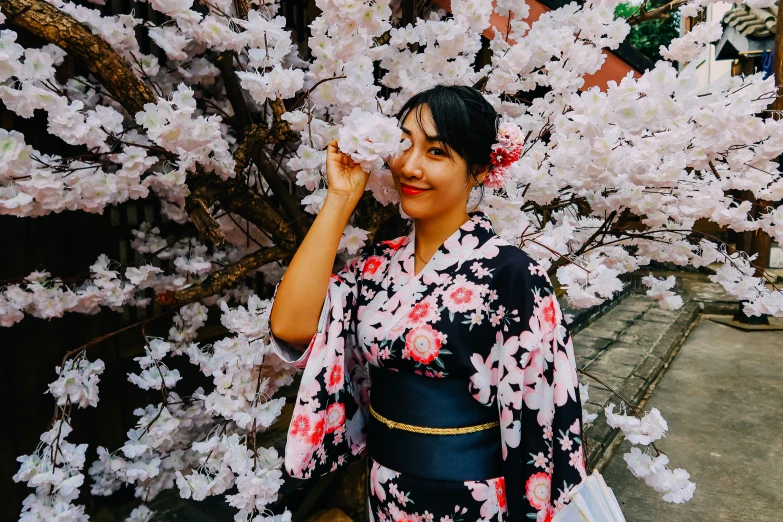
[[442, 354]]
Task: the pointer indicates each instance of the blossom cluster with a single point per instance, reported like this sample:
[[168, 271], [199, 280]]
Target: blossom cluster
[[54, 469], [46, 297], [201, 444], [660, 290], [673, 485], [691, 45], [369, 139], [172, 125], [77, 383]]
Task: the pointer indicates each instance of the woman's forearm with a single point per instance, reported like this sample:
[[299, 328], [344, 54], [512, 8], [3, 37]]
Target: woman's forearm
[[301, 293]]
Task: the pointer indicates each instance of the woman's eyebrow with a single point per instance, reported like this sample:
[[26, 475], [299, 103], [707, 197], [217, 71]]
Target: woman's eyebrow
[[429, 138]]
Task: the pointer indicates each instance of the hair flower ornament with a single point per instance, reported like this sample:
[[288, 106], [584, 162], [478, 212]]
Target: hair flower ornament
[[506, 150]]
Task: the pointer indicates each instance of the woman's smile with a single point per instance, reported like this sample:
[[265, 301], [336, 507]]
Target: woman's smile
[[410, 190]]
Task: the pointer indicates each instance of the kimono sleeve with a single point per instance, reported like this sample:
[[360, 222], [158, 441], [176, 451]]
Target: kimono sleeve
[[327, 428], [537, 395], [289, 351]]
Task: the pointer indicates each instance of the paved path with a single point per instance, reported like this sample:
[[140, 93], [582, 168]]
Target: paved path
[[722, 397]]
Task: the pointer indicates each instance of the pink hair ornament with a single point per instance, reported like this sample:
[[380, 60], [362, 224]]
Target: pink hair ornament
[[506, 150]]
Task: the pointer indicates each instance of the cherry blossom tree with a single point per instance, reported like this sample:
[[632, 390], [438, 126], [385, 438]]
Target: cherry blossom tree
[[229, 133]]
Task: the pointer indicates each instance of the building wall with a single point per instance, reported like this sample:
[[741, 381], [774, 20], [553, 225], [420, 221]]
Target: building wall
[[710, 69]]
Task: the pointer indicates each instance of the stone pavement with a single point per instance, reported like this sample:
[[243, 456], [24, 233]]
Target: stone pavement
[[629, 346], [722, 397]]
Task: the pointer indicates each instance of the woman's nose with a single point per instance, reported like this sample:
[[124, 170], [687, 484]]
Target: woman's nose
[[411, 165]]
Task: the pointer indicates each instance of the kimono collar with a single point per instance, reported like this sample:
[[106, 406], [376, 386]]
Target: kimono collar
[[457, 248]]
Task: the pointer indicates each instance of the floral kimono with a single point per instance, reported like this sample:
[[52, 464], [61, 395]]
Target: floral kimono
[[481, 309]]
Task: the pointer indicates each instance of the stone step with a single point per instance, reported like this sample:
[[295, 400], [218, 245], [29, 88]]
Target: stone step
[[626, 349]]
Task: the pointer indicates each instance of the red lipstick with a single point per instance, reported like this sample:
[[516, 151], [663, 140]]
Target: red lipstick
[[411, 191]]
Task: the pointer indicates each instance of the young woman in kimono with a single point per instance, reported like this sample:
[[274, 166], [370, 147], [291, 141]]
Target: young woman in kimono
[[443, 355]]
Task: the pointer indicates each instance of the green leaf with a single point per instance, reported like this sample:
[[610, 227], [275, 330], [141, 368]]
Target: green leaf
[[647, 37]]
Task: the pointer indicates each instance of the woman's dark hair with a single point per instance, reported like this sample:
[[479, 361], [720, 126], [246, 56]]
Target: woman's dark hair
[[465, 121]]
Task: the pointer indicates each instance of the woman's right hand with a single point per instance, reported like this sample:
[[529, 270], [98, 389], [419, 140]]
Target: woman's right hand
[[344, 176]]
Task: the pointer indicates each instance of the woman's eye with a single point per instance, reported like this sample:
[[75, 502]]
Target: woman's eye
[[437, 150]]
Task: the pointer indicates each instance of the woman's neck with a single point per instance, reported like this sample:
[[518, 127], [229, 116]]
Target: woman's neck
[[432, 232]]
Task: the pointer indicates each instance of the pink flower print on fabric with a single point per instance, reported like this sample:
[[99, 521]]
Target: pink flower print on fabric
[[485, 377], [425, 311], [460, 251], [548, 313], [492, 494], [374, 268], [510, 431], [510, 385], [335, 416], [577, 460], [305, 436], [463, 296], [395, 244], [380, 475], [564, 385], [539, 347], [537, 489], [334, 377], [317, 435], [540, 398], [397, 330], [422, 344], [300, 426]]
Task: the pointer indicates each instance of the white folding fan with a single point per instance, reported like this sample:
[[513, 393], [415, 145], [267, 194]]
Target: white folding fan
[[591, 501]]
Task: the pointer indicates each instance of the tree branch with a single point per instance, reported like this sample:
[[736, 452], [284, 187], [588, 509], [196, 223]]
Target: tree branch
[[373, 217], [207, 226], [237, 198], [564, 260], [225, 63], [226, 278], [291, 205], [657, 13], [112, 71]]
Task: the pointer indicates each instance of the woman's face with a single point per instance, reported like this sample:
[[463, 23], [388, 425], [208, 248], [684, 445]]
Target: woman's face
[[425, 165]]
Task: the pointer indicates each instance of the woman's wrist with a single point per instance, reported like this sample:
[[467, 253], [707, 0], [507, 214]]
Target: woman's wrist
[[343, 203]]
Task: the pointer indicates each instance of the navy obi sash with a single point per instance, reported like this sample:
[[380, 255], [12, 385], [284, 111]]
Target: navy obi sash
[[435, 403]]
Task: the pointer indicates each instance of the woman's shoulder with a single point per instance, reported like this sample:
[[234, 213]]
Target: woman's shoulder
[[512, 257], [515, 267]]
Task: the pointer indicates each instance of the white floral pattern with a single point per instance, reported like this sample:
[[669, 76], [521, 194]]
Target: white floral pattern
[[480, 309]]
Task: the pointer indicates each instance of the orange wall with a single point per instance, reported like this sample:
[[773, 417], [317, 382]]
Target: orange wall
[[614, 68]]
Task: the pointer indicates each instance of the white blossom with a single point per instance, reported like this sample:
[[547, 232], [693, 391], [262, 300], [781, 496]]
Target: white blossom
[[369, 139], [353, 239], [649, 428], [660, 291], [140, 514]]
